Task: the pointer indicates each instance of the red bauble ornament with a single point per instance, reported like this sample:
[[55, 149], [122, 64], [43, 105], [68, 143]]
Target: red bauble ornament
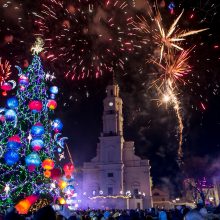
[[56, 174], [15, 138], [52, 104], [35, 106], [6, 87]]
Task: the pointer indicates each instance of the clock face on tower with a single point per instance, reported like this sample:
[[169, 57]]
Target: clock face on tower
[[110, 104]]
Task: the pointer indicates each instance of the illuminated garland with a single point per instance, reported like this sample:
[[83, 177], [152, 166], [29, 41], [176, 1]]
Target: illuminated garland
[[110, 197], [21, 178]]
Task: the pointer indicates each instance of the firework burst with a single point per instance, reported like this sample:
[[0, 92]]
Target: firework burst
[[174, 67], [84, 39], [168, 56], [5, 70], [165, 40]]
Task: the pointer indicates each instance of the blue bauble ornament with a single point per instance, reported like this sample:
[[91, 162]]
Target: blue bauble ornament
[[37, 130], [54, 90], [10, 115], [33, 160], [11, 157], [57, 125], [37, 144], [12, 145], [12, 103], [23, 80]]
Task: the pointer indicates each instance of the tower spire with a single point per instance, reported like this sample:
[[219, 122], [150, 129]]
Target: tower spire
[[114, 78]]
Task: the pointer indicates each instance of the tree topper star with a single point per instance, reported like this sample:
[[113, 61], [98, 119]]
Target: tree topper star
[[38, 46]]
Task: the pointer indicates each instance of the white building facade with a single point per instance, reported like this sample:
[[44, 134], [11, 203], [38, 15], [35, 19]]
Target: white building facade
[[116, 173]]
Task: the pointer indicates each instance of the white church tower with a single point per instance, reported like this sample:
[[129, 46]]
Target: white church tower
[[116, 171]]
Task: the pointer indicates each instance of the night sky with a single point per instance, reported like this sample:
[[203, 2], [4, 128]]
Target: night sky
[[152, 127]]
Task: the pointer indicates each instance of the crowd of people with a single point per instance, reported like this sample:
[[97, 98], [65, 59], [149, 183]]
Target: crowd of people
[[179, 213]]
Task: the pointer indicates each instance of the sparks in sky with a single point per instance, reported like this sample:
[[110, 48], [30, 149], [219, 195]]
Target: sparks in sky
[[165, 40], [173, 70], [5, 70], [84, 39], [171, 61], [170, 97], [174, 66]]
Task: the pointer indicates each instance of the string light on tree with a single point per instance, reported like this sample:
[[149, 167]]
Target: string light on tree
[[7, 189]]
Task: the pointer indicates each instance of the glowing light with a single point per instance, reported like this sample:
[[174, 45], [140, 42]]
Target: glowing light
[[62, 201], [62, 184], [7, 189], [53, 185], [111, 197], [38, 46], [166, 98], [128, 193]]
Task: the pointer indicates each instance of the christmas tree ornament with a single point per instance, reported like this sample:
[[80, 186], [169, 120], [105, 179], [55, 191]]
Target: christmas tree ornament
[[23, 82], [32, 161], [37, 144], [37, 130], [11, 157], [57, 125], [52, 104], [12, 102], [10, 115], [6, 86], [54, 90], [14, 143], [35, 106], [48, 164]]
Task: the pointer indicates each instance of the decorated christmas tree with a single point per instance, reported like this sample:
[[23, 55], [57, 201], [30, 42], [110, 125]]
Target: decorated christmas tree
[[30, 140]]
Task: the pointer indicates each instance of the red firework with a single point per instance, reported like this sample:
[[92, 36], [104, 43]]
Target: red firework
[[5, 70]]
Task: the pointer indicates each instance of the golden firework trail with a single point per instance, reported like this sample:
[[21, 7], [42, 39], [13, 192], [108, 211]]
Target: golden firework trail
[[173, 70], [171, 60], [171, 97], [165, 40]]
